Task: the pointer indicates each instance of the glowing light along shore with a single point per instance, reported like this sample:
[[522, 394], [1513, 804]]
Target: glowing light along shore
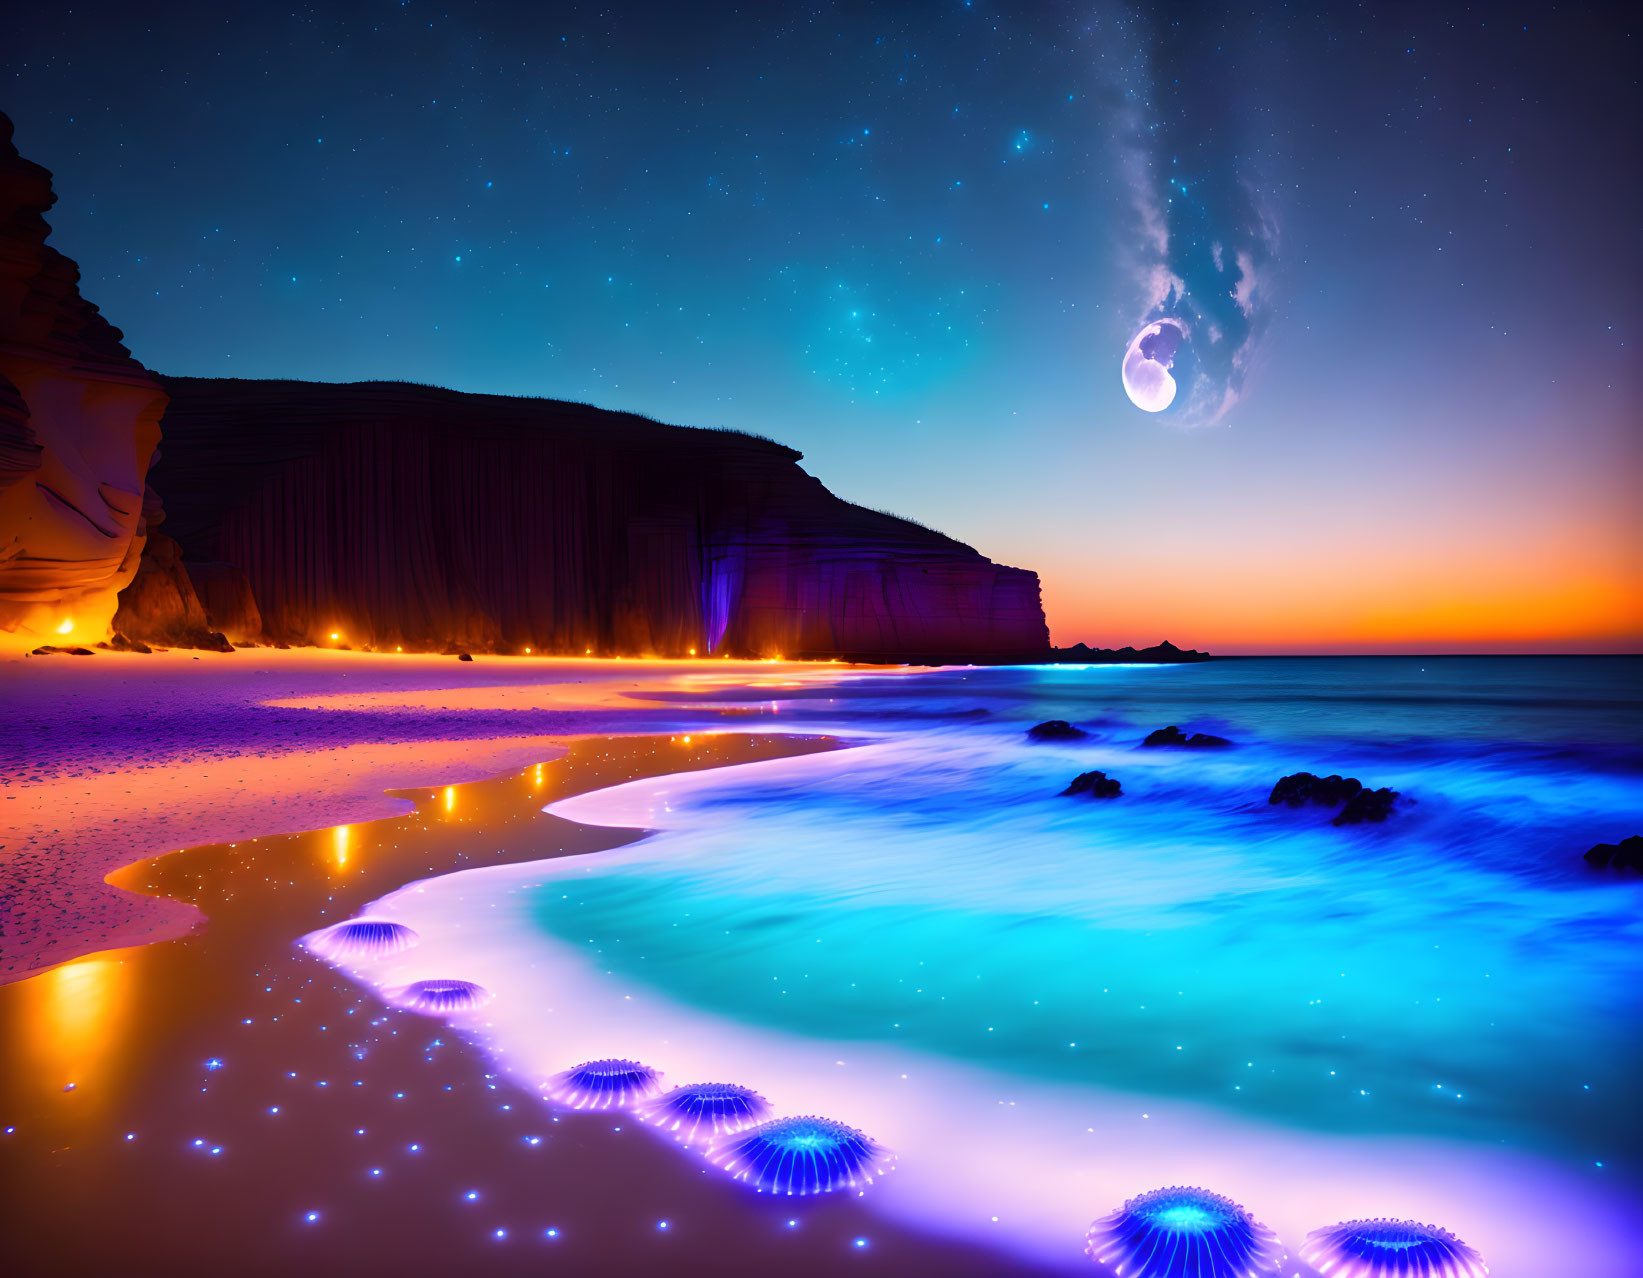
[[1184, 1233], [612, 1083], [805, 1155], [1390, 1249], [705, 1111]]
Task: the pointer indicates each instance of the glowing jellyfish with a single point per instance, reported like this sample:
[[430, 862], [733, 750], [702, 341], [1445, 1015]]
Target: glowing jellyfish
[[801, 1156], [606, 1084], [1184, 1233], [1384, 1248], [706, 1110], [362, 938], [438, 997]]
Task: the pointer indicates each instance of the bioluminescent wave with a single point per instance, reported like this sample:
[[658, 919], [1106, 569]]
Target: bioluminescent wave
[[1184, 1233], [603, 1084], [703, 1111], [1390, 1249], [438, 997], [805, 1155], [1042, 1004], [361, 938]]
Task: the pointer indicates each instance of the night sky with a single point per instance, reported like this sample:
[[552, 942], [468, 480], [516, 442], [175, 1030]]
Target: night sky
[[915, 241]]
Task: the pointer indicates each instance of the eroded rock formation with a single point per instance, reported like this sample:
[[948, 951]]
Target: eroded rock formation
[[79, 421], [390, 515]]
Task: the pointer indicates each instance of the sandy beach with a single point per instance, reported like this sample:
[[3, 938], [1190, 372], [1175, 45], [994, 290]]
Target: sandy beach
[[116, 757], [223, 1100]]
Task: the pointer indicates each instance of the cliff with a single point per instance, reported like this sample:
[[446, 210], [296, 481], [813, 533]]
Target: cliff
[[79, 421], [390, 514]]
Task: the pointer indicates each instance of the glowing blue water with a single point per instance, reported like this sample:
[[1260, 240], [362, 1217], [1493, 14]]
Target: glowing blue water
[[1456, 972]]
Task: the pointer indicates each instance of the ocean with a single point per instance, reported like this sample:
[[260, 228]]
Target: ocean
[[1046, 1003]]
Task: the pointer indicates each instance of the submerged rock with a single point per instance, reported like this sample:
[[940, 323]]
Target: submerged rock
[[1367, 805], [1173, 736], [1098, 785], [1301, 788], [1625, 855], [47, 650], [1055, 730], [464, 656]]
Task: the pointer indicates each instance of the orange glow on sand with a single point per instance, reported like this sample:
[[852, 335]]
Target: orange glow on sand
[[79, 1013]]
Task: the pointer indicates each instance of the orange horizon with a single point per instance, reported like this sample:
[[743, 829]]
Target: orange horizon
[[1368, 611]]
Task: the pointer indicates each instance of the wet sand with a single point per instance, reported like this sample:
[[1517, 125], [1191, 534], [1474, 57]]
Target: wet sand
[[108, 759], [226, 1103]]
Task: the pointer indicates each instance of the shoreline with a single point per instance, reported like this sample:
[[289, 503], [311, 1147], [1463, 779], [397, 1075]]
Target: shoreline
[[235, 1072], [315, 732], [114, 761], [1030, 1161]]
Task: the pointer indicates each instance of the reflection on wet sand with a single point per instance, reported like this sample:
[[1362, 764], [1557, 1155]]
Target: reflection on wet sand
[[225, 1103], [77, 1019]]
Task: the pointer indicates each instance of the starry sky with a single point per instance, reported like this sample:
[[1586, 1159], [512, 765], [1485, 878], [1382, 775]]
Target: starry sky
[[914, 241]]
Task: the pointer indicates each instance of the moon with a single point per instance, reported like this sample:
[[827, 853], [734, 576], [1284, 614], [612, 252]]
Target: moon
[[1147, 364]]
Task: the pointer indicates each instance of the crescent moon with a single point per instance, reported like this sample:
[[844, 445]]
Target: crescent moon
[[1147, 364]]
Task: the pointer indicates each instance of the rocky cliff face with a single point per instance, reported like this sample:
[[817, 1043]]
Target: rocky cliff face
[[79, 421], [393, 515]]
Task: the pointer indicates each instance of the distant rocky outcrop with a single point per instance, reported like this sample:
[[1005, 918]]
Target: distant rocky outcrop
[[1173, 736], [1625, 855], [392, 515], [1098, 785], [1055, 730], [1302, 788], [1164, 653], [79, 421]]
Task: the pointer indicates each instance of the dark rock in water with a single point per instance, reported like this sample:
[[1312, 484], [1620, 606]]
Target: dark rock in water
[[464, 656], [214, 641], [1367, 805], [1625, 855], [1055, 730], [49, 649], [1165, 653], [1098, 785], [1301, 788], [1173, 736]]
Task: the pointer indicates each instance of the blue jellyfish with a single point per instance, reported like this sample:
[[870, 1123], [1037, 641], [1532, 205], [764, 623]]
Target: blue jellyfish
[[443, 996], [362, 938], [1384, 1248], [1184, 1233], [706, 1110], [606, 1084], [801, 1156]]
